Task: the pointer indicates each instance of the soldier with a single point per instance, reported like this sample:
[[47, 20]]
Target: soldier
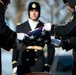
[[68, 30], [8, 38], [26, 60]]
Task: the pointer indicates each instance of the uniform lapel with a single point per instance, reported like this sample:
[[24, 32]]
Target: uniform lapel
[[39, 24]]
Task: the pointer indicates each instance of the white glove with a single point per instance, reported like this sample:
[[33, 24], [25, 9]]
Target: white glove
[[20, 45], [55, 42], [47, 27], [15, 70], [21, 36]]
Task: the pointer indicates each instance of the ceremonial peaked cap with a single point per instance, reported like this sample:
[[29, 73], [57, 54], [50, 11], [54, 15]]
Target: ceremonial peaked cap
[[34, 5]]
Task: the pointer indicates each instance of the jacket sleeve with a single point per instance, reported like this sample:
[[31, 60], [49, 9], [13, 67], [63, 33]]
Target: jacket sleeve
[[7, 36], [15, 54], [66, 30]]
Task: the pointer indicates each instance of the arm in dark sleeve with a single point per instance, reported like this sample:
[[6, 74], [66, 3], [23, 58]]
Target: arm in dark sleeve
[[69, 43], [7, 36], [15, 54], [66, 30]]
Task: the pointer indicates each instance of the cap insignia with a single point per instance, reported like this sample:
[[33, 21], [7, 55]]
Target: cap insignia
[[33, 5]]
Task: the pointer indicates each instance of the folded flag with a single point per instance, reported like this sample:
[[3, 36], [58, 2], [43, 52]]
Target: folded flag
[[38, 37]]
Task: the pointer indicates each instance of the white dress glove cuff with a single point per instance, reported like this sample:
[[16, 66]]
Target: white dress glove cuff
[[47, 27]]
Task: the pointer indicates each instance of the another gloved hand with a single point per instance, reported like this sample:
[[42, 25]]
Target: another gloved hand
[[15, 70], [21, 36], [21, 41], [55, 42], [14, 63], [47, 27]]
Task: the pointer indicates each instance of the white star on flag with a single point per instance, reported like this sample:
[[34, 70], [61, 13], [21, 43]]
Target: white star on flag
[[32, 37], [43, 33], [39, 39]]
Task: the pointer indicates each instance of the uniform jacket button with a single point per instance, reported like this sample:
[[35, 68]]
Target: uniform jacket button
[[35, 59], [27, 50], [27, 59], [35, 50]]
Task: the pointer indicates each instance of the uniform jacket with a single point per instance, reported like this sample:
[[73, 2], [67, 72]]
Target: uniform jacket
[[29, 58], [67, 31]]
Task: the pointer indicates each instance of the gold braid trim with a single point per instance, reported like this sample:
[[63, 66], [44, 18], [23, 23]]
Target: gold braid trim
[[47, 65], [34, 47], [13, 62]]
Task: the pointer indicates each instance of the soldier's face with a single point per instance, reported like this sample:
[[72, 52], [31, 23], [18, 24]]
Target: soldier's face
[[34, 14], [69, 8]]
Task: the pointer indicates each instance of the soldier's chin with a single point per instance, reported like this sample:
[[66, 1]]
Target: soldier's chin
[[34, 18]]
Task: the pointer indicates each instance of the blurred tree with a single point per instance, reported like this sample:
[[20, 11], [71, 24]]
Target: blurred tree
[[53, 11], [19, 6]]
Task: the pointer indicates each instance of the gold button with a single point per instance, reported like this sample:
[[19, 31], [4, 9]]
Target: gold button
[[35, 50], [27, 50], [27, 59], [35, 59]]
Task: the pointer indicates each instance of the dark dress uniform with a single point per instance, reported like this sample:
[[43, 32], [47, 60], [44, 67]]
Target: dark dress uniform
[[28, 57], [70, 43], [32, 60], [69, 30], [7, 36]]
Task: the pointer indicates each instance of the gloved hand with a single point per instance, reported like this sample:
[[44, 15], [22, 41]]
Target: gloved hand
[[21, 41], [14, 66], [55, 42], [21, 36], [24, 38], [47, 27], [15, 70]]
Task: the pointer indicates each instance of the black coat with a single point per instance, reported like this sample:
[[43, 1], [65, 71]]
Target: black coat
[[36, 62], [69, 30], [7, 36]]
